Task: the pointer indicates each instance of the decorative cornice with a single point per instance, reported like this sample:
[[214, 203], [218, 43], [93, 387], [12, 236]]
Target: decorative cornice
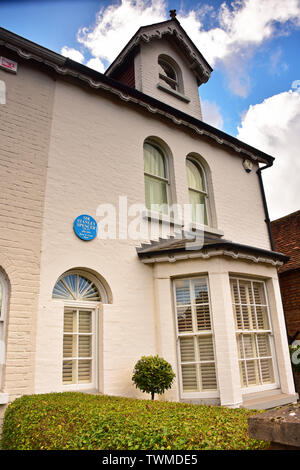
[[210, 254]]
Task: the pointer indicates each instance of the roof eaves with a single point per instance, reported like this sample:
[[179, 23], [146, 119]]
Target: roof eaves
[[65, 66], [220, 245]]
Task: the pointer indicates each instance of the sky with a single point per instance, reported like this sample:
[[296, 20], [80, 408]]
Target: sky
[[252, 45]]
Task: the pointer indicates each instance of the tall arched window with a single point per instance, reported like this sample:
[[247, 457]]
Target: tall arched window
[[81, 293], [168, 74], [197, 191], [156, 179], [3, 310]]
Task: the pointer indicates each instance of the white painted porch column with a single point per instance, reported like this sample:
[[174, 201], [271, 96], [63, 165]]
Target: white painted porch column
[[228, 373]]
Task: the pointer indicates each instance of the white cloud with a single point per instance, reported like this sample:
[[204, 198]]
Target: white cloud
[[73, 54], [212, 114], [248, 23], [229, 44], [96, 64], [240, 30], [273, 126], [117, 23]]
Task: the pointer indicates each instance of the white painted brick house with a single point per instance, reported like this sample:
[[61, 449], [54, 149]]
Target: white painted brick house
[[77, 315]]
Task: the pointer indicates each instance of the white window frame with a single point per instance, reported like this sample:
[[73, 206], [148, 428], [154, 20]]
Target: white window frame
[[93, 307], [269, 332], [204, 193], [159, 178], [199, 394]]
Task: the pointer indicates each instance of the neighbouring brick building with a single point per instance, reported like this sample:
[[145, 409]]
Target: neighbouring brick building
[[78, 310], [286, 237]]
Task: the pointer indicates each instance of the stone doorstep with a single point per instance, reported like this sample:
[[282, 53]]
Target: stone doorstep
[[267, 400], [280, 426]]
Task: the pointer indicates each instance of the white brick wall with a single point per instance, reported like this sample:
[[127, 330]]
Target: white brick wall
[[24, 140]]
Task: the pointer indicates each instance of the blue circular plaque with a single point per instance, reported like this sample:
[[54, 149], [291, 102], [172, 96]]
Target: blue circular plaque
[[85, 227]]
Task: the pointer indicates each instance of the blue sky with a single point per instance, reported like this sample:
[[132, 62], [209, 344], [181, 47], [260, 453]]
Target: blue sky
[[253, 46]]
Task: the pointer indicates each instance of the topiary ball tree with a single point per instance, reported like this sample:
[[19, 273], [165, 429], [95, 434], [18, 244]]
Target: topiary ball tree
[[152, 374]]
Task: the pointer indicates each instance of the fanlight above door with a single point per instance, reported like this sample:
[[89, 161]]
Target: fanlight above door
[[76, 287]]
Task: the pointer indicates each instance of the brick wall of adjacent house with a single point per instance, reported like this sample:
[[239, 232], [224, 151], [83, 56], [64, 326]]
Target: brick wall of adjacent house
[[286, 235], [24, 139]]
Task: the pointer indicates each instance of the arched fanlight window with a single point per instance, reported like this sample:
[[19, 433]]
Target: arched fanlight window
[[156, 178], [167, 74], [81, 294], [76, 287], [197, 192]]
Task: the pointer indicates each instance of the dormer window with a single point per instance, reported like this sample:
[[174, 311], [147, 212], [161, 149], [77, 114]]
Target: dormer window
[[168, 74]]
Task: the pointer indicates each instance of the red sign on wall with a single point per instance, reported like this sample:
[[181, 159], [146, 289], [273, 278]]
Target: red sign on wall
[[8, 64]]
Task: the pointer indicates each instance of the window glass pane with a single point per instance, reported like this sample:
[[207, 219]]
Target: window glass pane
[[198, 203], [208, 376], [259, 293], [69, 346], [154, 161], [206, 348], [263, 344], [184, 319], [87, 290], [68, 372], [85, 322], [200, 291], [267, 372], [252, 372], [84, 371], [61, 291], [70, 321], [262, 318], [85, 346], [189, 378], [195, 176], [167, 74], [203, 317], [183, 292], [187, 349], [166, 69], [156, 194]]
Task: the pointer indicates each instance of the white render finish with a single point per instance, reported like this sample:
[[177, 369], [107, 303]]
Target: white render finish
[[85, 148]]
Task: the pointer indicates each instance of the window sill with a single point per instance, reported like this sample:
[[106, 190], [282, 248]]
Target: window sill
[[207, 229], [3, 398], [173, 92], [165, 218], [160, 217]]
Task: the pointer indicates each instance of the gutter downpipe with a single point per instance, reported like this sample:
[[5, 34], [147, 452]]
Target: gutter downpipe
[[267, 219]]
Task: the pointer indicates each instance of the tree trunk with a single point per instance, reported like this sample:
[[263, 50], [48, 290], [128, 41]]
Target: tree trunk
[[152, 395]]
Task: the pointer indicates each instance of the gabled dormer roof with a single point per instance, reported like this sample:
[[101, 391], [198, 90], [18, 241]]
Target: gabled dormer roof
[[170, 29]]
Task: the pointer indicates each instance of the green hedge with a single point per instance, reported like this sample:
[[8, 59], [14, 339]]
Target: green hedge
[[81, 421]]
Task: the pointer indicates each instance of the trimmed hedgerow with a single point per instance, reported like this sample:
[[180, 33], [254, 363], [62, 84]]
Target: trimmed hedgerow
[[74, 420]]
